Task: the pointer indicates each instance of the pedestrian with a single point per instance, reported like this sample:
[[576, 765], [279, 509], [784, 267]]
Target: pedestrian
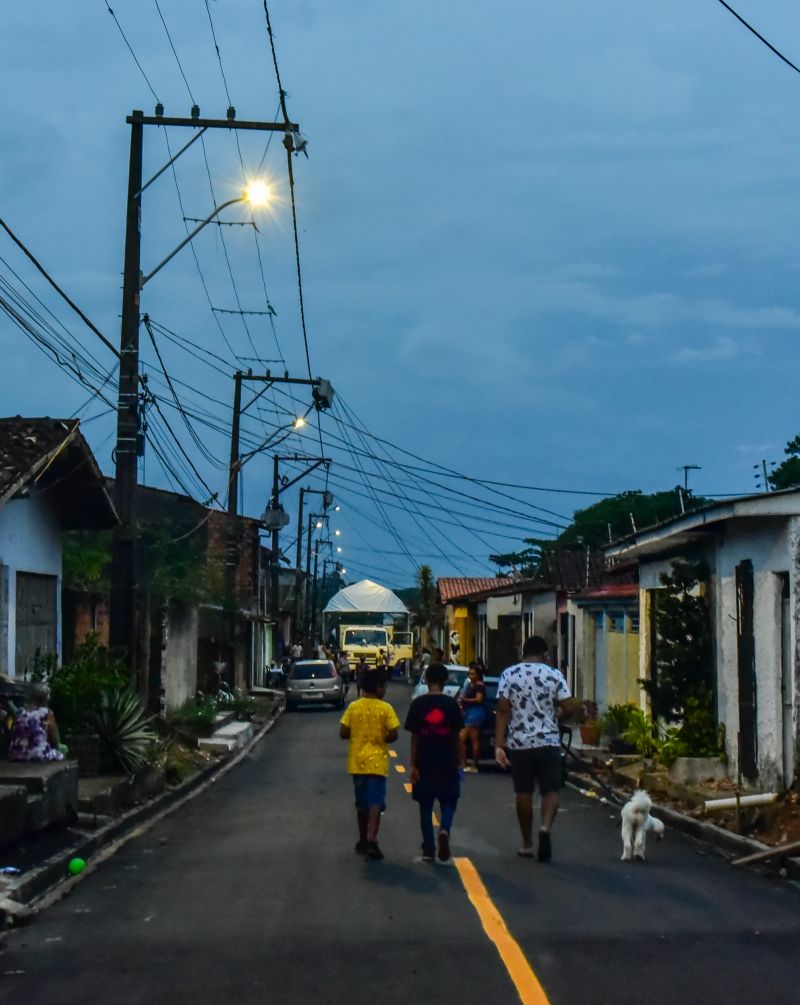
[[34, 736], [343, 669], [370, 724], [361, 669], [437, 757], [473, 708], [530, 697], [296, 652], [438, 655]]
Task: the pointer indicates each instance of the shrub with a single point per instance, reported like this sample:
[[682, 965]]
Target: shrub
[[616, 719], [642, 732], [197, 713], [77, 687]]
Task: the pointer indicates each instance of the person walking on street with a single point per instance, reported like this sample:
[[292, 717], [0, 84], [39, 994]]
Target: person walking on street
[[437, 757], [530, 697], [473, 708], [361, 669], [370, 724]]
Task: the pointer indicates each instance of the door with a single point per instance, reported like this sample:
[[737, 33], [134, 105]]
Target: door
[[505, 643], [787, 683], [35, 620], [748, 735], [600, 660]]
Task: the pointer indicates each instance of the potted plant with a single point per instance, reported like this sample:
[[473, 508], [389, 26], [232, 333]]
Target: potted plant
[[614, 725], [590, 724]]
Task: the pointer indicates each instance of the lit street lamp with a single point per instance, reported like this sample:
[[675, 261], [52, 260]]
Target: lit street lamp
[[256, 194]]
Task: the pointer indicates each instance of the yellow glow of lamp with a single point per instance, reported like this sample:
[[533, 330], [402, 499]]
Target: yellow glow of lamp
[[258, 193], [299, 422]]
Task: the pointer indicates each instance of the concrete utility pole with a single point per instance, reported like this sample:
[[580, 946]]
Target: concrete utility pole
[[123, 620], [327, 500], [686, 468]]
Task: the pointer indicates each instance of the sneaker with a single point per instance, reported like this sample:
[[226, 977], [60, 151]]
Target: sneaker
[[361, 848], [373, 851], [470, 771], [428, 853], [545, 850], [444, 846]]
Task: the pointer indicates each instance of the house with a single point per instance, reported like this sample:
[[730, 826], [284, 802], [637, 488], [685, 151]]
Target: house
[[459, 615], [605, 644], [189, 629], [751, 549], [49, 483], [494, 617]]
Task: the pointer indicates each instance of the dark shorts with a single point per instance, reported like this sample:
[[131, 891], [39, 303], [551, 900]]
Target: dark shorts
[[428, 790], [370, 791], [536, 766]]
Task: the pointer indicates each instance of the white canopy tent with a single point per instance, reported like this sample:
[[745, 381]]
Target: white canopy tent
[[366, 597]]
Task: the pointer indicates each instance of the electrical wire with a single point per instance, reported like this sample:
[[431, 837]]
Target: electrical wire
[[759, 36]]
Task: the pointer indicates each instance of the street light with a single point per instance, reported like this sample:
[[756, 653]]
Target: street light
[[257, 194], [337, 533]]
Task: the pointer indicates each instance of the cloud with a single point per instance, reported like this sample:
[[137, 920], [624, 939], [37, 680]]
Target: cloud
[[723, 349]]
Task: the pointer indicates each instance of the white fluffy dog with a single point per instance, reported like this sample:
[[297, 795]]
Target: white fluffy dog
[[636, 822]]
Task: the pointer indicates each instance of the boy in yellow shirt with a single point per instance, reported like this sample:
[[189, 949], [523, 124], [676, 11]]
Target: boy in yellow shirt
[[370, 724]]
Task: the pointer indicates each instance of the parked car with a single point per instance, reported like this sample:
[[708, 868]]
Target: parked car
[[456, 676], [314, 682]]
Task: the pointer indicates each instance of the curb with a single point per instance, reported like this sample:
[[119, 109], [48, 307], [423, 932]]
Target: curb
[[47, 883], [710, 834]]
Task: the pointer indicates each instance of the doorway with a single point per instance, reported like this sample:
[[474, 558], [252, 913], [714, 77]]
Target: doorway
[[748, 711]]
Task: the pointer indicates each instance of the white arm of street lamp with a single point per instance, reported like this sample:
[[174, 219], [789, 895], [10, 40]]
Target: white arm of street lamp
[[185, 241]]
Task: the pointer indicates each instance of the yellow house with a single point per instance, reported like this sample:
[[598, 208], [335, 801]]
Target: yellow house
[[608, 670]]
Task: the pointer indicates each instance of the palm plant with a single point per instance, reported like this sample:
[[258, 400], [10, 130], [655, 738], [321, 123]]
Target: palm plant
[[124, 727]]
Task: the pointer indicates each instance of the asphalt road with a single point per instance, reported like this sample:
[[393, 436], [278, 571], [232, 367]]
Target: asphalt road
[[251, 893]]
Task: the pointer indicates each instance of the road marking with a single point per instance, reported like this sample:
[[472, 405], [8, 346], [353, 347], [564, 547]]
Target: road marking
[[392, 753], [519, 970], [435, 820], [400, 769], [408, 787]]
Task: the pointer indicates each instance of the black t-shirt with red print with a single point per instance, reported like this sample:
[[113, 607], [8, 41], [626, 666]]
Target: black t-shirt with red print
[[436, 720]]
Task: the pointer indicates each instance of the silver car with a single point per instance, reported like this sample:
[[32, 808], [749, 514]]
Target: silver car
[[456, 676], [314, 682]]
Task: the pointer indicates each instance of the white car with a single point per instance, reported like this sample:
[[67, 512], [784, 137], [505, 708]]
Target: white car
[[456, 676]]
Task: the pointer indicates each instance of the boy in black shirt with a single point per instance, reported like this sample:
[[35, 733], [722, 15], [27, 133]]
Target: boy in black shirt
[[437, 759]]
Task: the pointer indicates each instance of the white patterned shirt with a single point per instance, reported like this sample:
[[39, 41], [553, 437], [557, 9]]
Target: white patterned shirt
[[533, 690]]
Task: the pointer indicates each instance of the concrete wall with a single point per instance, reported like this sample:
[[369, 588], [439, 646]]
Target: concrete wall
[[773, 547], [30, 541], [495, 606], [541, 607], [180, 659]]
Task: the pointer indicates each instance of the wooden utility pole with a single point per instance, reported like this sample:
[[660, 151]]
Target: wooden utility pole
[[123, 620]]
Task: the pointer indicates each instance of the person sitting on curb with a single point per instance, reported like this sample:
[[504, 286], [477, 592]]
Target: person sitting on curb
[[35, 733]]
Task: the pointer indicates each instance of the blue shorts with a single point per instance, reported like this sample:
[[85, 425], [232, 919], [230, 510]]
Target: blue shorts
[[474, 716], [370, 791]]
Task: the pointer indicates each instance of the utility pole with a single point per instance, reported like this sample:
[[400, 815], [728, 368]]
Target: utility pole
[[123, 620], [314, 592], [327, 500]]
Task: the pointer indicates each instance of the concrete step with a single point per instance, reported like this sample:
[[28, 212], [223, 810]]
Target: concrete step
[[231, 736], [222, 719], [13, 807]]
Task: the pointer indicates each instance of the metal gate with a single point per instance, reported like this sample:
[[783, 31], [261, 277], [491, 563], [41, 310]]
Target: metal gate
[[504, 643], [35, 620]]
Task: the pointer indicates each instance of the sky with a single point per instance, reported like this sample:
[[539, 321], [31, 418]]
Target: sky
[[545, 245]]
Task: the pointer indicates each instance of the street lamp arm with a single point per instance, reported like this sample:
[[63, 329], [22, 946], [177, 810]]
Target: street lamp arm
[[188, 238]]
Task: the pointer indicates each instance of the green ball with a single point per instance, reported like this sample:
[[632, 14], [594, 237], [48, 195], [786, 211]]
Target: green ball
[[76, 866]]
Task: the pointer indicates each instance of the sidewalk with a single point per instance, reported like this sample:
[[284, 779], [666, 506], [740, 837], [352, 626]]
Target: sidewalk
[[42, 858]]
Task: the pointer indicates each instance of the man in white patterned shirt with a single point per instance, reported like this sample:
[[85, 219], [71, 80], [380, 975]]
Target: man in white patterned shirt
[[530, 697]]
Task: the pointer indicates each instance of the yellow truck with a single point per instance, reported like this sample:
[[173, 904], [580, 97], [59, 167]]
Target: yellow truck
[[366, 642]]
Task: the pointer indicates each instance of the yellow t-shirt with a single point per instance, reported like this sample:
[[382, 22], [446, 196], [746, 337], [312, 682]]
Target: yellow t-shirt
[[369, 719]]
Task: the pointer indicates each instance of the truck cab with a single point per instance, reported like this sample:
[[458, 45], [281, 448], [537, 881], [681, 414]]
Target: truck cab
[[365, 642]]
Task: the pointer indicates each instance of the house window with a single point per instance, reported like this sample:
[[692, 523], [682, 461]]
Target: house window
[[616, 621], [634, 616]]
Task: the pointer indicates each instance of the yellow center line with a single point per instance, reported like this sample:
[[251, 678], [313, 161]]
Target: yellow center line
[[435, 820], [400, 768], [519, 970], [407, 786], [392, 753]]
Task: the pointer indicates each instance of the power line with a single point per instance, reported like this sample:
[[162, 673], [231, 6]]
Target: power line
[[130, 48], [759, 36]]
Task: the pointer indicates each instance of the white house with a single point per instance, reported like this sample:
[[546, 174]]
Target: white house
[[49, 482], [751, 547]]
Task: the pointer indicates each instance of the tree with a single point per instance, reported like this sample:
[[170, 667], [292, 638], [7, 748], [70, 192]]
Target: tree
[[425, 608], [788, 474], [601, 522]]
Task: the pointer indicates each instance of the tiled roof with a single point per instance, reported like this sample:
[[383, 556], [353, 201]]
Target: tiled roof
[[452, 588], [51, 457], [26, 445], [610, 591]]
